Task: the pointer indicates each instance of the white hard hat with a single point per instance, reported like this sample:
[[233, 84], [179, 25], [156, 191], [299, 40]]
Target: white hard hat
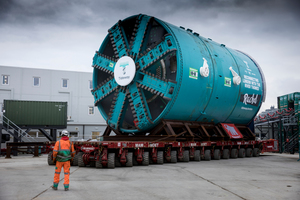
[[65, 133]]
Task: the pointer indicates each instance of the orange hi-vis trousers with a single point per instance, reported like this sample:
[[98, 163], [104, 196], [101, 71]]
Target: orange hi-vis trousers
[[66, 166]]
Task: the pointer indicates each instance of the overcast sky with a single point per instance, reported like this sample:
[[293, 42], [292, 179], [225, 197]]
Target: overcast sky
[[64, 34]]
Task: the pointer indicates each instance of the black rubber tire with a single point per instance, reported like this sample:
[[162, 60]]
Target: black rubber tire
[[80, 159], [207, 155], [173, 156], [117, 162], [225, 154], [50, 161], [249, 152], [256, 152], [234, 153], [186, 156], [197, 155], [111, 160], [145, 161], [75, 160], [217, 154], [160, 157], [242, 153], [98, 163], [129, 158]]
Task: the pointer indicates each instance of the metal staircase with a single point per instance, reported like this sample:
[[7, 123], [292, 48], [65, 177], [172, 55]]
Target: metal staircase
[[15, 131], [290, 146], [280, 124]]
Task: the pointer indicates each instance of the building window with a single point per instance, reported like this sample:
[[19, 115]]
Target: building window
[[36, 81], [65, 83], [5, 79], [90, 84], [91, 110], [95, 134], [33, 133], [73, 134]]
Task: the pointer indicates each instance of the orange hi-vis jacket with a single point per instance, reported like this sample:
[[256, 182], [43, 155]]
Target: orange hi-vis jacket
[[63, 150]]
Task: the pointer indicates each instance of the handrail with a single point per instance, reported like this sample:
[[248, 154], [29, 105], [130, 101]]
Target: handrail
[[10, 125]]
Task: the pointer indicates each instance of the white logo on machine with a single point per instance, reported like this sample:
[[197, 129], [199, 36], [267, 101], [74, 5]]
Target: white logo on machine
[[251, 100], [204, 70], [231, 130], [124, 71]]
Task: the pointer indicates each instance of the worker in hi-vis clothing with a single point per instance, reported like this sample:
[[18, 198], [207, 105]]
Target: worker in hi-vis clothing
[[63, 153]]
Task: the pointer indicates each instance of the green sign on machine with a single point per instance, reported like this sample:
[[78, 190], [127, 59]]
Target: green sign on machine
[[193, 73]]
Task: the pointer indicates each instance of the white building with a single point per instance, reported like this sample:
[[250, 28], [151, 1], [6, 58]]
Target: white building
[[84, 120]]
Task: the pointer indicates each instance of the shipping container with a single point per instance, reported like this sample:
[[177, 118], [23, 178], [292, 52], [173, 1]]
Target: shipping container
[[36, 114]]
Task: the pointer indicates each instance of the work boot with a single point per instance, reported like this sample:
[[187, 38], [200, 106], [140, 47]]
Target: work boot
[[66, 187], [54, 187]]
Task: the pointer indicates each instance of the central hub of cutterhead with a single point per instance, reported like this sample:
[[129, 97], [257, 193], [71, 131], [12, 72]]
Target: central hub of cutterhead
[[124, 71]]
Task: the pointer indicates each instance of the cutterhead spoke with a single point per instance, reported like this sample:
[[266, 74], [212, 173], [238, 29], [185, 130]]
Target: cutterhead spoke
[[139, 109], [157, 53], [104, 90], [116, 113], [104, 63], [138, 34], [156, 85], [119, 42]]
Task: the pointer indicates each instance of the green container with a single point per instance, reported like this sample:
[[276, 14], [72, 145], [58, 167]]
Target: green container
[[282, 102], [296, 104], [40, 114], [296, 96], [285, 102]]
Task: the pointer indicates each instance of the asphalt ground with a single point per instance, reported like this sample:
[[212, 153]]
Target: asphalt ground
[[270, 176]]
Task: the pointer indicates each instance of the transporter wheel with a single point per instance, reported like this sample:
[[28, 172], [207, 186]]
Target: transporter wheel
[[129, 158], [145, 161], [197, 155], [249, 152], [207, 155], [98, 163], [217, 154], [234, 153], [173, 156], [75, 160], [186, 156], [256, 152], [242, 153], [225, 154], [111, 160], [117, 161], [160, 157], [80, 160], [50, 161]]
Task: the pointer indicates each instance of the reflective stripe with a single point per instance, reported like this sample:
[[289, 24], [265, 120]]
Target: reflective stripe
[[57, 172], [73, 151], [66, 173], [65, 150], [55, 150], [54, 157], [59, 156]]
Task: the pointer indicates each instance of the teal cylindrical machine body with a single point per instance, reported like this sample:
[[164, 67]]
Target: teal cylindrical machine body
[[147, 70]]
